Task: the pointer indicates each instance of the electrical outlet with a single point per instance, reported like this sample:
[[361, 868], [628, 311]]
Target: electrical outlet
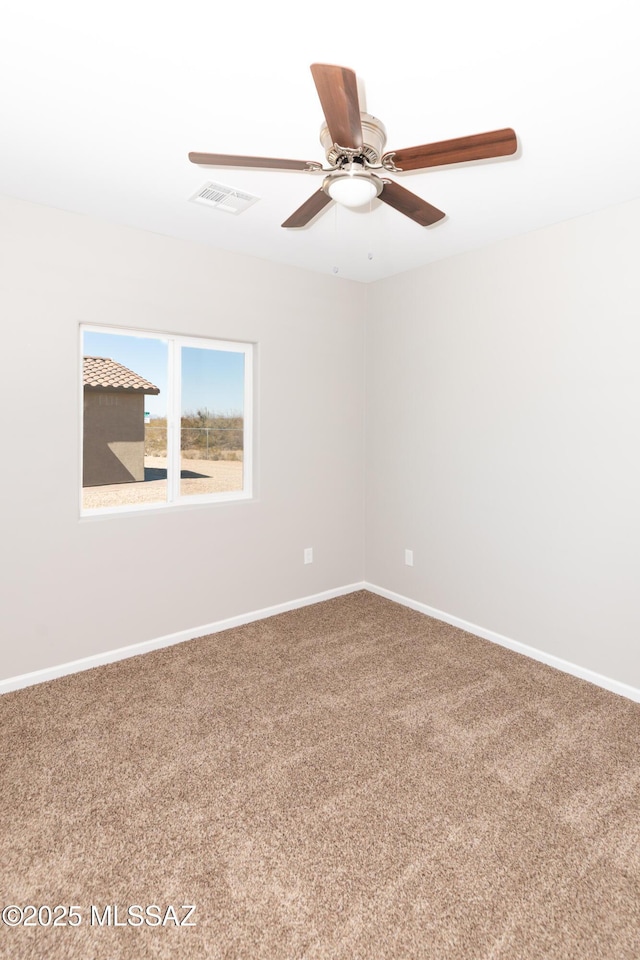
[[308, 555], [408, 557]]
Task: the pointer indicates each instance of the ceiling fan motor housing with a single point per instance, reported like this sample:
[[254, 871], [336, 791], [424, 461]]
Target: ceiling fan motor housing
[[374, 138]]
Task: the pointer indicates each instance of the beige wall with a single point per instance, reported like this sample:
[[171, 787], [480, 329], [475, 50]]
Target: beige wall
[[72, 588], [502, 417], [503, 426], [113, 444]]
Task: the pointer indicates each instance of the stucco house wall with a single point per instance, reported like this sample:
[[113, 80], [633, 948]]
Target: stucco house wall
[[113, 424], [113, 438]]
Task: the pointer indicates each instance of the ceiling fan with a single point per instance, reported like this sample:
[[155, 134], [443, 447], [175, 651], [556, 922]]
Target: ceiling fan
[[354, 142]]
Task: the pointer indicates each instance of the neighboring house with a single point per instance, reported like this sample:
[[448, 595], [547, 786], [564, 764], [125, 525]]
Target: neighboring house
[[113, 422]]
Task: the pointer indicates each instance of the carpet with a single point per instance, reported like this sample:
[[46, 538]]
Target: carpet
[[348, 781]]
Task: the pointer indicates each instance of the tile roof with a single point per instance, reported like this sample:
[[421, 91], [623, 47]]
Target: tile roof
[[102, 373]]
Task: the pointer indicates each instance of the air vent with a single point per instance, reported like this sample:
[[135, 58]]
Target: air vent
[[223, 198]]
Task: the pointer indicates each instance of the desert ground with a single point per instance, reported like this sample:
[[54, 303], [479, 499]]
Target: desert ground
[[197, 477]]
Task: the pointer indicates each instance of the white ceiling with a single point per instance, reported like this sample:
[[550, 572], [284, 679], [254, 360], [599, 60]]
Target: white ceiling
[[99, 112]]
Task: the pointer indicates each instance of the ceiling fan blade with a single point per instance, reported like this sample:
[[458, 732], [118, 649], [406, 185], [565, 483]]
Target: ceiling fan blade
[[309, 209], [266, 163], [338, 91], [481, 146], [411, 205]]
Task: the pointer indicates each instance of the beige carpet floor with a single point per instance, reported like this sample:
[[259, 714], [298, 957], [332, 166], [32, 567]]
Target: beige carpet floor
[[348, 781]]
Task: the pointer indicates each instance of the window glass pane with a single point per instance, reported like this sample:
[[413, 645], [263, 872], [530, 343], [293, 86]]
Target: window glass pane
[[164, 420], [211, 421], [124, 453]]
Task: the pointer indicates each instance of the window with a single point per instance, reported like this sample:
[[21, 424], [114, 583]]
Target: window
[[166, 420]]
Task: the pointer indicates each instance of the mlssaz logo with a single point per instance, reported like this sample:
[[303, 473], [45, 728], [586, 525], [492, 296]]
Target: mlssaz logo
[[136, 915]]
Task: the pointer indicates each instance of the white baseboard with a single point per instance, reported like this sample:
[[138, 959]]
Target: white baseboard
[[615, 686], [122, 653]]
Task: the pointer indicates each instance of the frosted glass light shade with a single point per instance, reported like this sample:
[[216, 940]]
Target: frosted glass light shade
[[352, 191]]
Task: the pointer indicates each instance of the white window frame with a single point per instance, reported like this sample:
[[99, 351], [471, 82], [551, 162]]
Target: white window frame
[[174, 342]]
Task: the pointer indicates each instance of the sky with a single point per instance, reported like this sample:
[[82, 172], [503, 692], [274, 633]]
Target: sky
[[211, 379]]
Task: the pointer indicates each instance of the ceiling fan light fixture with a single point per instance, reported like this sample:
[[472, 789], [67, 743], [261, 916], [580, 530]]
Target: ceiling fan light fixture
[[354, 144], [352, 189]]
